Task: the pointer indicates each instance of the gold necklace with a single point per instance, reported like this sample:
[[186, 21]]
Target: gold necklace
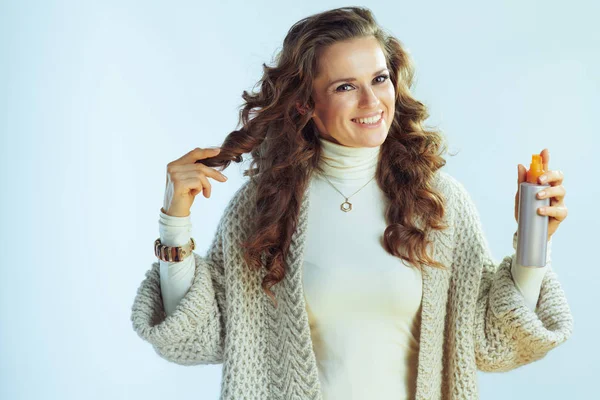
[[346, 205]]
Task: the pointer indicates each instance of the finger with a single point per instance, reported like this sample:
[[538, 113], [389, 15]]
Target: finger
[[558, 212], [206, 187], [554, 178], [210, 172], [195, 168], [545, 158], [555, 192], [197, 154], [522, 173]]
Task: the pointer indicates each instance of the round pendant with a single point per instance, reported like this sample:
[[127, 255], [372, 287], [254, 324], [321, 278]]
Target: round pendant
[[346, 206]]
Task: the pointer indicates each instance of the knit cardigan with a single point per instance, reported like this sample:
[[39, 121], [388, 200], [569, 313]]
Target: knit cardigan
[[473, 315]]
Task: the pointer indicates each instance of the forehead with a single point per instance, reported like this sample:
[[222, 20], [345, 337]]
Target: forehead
[[355, 57]]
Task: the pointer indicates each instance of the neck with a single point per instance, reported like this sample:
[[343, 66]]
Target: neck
[[344, 163]]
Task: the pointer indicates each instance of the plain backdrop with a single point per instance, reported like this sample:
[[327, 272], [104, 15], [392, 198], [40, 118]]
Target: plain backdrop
[[97, 97]]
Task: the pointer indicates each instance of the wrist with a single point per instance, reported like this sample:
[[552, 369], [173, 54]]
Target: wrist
[[175, 213]]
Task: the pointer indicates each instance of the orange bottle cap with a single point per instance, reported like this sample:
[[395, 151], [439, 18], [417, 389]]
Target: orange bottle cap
[[536, 169]]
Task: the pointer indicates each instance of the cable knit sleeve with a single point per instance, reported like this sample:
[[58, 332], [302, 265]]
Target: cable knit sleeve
[[507, 333], [194, 332]]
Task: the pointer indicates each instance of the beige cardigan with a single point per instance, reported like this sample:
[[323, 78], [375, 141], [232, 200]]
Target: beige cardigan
[[473, 316]]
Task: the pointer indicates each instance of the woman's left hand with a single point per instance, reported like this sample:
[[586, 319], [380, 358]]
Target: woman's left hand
[[557, 211]]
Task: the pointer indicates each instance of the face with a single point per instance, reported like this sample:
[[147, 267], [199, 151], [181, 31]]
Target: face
[[353, 82]]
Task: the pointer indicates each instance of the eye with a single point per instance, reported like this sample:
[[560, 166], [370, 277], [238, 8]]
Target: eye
[[385, 78], [339, 87]]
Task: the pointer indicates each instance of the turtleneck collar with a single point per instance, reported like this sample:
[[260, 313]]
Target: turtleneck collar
[[345, 164]]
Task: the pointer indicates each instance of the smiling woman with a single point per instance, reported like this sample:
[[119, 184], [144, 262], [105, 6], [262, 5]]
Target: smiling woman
[[304, 296]]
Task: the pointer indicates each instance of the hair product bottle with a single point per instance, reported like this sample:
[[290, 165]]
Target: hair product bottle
[[532, 231]]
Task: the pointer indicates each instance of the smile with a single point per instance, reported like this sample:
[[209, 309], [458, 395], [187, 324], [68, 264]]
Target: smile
[[367, 125]]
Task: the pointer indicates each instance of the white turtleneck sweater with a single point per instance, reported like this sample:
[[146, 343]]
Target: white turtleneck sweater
[[363, 303]]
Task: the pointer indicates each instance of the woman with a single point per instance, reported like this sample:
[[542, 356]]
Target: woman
[[319, 283]]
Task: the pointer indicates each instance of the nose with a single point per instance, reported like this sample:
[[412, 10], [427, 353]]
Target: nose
[[368, 99]]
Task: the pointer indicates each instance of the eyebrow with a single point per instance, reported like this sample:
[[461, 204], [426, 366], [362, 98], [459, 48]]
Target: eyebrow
[[353, 79]]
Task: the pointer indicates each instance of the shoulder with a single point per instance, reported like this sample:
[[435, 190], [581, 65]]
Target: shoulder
[[451, 188], [458, 201]]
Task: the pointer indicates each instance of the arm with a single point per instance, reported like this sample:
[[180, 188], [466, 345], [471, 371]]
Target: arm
[[175, 277], [507, 334], [194, 331], [529, 279]]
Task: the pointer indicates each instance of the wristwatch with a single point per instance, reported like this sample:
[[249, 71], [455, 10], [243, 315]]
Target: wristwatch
[[173, 253]]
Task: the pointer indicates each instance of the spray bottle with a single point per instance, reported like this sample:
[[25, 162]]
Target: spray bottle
[[532, 231]]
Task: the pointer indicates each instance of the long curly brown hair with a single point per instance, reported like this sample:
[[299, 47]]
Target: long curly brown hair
[[285, 147]]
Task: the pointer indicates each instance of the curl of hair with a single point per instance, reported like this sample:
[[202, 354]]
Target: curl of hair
[[285, 148]]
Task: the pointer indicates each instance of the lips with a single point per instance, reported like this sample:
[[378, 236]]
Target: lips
[[368, 116]]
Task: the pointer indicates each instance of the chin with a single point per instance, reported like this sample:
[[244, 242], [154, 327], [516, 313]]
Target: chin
[[375, 140]]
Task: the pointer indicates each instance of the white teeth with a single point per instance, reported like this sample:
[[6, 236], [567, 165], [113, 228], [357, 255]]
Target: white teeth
[[370, 120]]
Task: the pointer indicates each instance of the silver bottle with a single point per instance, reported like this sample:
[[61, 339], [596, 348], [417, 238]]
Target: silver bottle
[[532, 231]]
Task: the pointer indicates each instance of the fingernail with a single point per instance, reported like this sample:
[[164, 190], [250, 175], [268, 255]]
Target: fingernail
[[543, 179]]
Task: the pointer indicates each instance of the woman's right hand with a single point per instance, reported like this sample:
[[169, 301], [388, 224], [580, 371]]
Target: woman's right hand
[[186, 178]]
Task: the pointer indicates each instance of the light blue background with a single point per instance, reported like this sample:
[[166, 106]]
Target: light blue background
[[97, 97]]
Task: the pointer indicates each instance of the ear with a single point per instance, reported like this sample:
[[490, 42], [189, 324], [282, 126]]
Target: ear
[[301, 109]]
